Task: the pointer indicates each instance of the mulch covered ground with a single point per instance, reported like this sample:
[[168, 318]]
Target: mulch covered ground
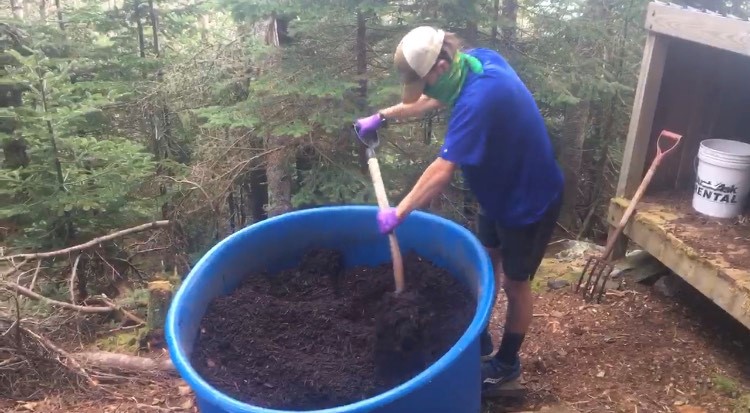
[[639, 351]]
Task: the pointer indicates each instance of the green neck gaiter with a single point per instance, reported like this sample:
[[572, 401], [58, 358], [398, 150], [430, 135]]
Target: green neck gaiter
[[449, 85]]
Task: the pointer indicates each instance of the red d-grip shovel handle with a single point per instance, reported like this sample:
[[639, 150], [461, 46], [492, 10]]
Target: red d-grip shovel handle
[[673, 137]]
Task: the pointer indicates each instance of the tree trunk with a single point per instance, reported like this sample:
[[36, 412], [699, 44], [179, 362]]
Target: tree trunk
[[304, 164], [510, 17], [279, 179], [17, 7], [154, 26], [361, 47], [203, 25], [495, 20], [472, 33], [68, 224], [14, 151], [278, 159], [60, 22], [242, 204], [258, 194], [232, 211], [43, 11], [139, 26], [362, 59], [14, 147], [574, 136]]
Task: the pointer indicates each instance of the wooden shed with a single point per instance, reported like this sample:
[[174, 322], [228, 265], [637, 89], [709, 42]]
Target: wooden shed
[[694, 81]]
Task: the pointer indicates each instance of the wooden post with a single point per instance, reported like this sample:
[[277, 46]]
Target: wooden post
[[642, 116], [641, 122]]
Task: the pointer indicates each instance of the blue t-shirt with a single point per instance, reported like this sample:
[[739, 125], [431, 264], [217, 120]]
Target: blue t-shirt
[[498, 137]]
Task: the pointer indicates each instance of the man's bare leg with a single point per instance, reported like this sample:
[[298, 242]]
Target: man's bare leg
[[519, 305], [497, 265]]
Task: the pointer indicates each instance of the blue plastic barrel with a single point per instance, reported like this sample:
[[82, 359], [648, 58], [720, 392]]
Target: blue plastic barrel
[[452, 384]]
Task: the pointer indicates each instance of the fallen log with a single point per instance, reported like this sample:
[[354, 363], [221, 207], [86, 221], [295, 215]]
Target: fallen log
[[104, 359]]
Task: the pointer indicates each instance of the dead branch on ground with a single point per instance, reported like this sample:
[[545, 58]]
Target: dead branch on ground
[[13, 268], [126, 313], [73, 280], [36, 273], [30, 294], [32, 361], [111, 306], [70, 361]]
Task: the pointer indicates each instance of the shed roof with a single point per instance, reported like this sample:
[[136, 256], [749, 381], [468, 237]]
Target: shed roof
[[723, 31]]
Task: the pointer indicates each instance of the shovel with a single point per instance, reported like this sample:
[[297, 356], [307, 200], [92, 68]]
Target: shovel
[[602, 267], [371, 141]]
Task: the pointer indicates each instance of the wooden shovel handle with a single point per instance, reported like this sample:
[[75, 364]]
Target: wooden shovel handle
[[660, 154], [398, 264], [672, 139]]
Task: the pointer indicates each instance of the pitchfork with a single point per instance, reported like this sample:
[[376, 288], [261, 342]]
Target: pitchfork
[[603, 267]]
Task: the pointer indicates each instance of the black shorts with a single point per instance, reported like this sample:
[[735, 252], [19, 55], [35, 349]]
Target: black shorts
[[522, 248]]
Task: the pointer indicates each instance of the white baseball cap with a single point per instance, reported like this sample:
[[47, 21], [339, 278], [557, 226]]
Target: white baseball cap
[[415, 56]]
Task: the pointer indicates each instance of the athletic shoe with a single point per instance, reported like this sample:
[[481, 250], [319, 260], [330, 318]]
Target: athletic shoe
[[495, 373]]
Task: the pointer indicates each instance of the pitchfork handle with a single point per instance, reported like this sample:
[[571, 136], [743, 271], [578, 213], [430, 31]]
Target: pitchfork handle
[[642, 188]]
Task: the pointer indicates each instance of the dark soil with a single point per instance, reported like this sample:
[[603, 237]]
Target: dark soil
[[317, 336]]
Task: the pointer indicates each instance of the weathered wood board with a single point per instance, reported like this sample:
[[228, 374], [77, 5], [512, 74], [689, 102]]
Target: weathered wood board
[[710, 29], [651, 228]]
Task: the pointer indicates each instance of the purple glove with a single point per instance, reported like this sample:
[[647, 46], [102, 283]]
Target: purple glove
[[387, 220], [368, 124]]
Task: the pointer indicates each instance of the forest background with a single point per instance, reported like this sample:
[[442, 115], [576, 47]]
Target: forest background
[[215, 114]]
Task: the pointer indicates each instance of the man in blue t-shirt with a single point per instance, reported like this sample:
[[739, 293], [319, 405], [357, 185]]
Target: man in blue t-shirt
[[498, 138]]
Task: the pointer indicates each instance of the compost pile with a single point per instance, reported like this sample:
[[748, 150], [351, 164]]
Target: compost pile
[[317, 336]]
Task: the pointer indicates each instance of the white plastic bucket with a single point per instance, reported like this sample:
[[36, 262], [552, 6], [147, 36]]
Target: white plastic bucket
[[722, 178]]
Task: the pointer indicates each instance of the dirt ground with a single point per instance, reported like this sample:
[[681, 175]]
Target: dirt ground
[[639, 351]]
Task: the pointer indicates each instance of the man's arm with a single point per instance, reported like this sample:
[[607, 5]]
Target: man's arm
[[429, 185], [410, 110]]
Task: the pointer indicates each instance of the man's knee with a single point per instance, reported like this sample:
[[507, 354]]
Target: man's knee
[[495, 257], [516, 289]]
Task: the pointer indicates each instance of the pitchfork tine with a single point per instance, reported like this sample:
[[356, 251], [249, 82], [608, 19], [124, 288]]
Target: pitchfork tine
[[610, 268], [583, 274], [589, 288], [602, 268]]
